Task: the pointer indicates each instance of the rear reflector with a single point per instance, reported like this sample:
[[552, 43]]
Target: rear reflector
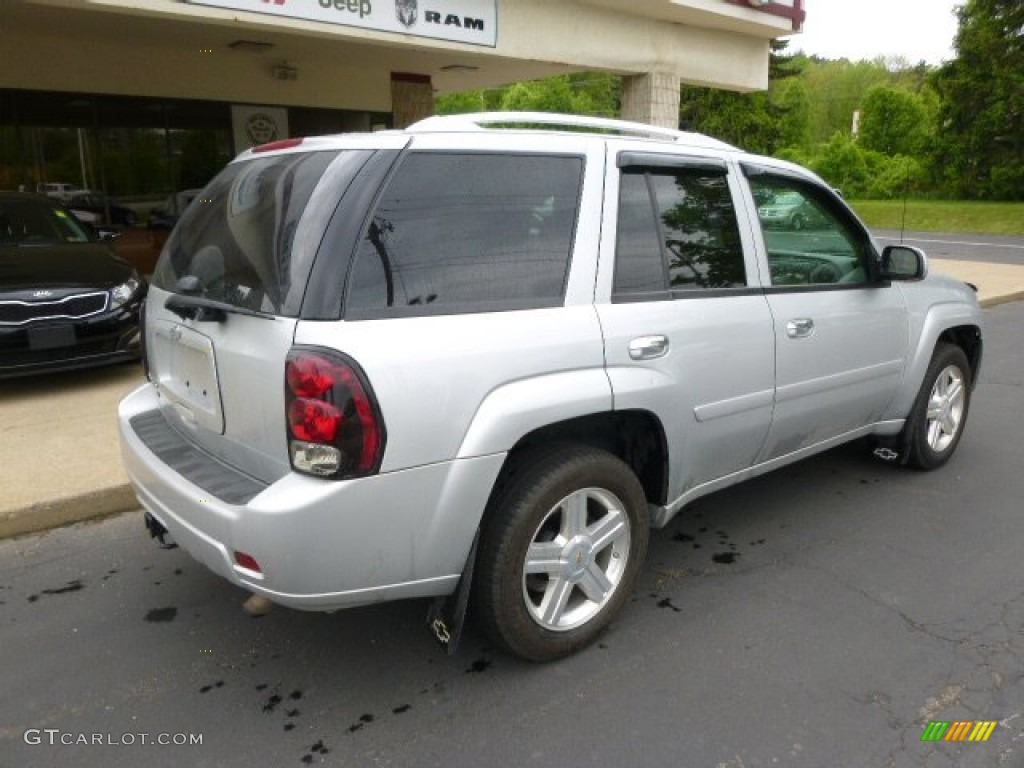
[[248, 562]]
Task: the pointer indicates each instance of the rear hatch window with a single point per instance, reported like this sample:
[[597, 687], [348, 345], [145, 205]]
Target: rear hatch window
[[237, 237]]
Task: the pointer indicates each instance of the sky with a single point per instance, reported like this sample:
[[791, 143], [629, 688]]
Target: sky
[[864, 29]]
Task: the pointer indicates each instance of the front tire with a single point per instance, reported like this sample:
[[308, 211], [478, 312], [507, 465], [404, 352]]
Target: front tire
[[940, 411], [560, 551]]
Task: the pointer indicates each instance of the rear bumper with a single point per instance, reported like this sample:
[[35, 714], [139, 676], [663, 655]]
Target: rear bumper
[[321, 545]]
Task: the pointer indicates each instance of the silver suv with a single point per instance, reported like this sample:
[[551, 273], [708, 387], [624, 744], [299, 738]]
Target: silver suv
[[478, 359]]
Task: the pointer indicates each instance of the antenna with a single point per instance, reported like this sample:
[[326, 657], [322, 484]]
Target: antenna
[[903, 215]]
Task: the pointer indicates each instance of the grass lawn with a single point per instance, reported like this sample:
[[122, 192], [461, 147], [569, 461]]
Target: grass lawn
[[943, 216]]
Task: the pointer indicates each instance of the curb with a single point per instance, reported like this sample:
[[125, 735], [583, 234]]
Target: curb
[[57, 513], [1005, 298]]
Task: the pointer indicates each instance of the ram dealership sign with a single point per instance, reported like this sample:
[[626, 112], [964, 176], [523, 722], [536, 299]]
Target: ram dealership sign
[[461, 21]]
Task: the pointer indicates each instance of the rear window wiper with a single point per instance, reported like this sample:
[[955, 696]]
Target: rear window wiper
[[207, 310]]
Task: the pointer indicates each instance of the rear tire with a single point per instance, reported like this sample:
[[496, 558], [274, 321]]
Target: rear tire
[[560, 551], [940, 410]]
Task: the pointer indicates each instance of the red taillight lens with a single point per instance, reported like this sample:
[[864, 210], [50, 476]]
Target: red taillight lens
[[367, 420], [334, 425], [309, 376], [313, 420]]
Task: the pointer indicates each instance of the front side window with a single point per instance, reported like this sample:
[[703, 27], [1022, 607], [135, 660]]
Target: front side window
[[468, 232], [810, 239], [677, 232]]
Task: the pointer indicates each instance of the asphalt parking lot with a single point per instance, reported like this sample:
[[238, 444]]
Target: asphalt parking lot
[[819, 616], [998, 249]]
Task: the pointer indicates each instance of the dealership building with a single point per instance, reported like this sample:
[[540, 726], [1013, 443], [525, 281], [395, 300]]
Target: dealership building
[[123, 95]]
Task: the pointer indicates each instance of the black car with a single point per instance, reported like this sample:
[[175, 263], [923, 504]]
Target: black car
[[168, 214], [66, 300], [102, 206]]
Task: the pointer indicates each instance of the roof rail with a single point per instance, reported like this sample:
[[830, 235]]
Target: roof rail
[[476, 121]]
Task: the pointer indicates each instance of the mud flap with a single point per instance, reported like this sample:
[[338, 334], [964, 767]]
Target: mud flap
[[447, 614], [896, 448]]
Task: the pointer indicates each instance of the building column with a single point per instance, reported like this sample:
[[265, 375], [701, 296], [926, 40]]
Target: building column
[[652, 98], [412, 98]]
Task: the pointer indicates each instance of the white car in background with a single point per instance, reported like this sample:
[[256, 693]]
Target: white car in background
[[59, 190]]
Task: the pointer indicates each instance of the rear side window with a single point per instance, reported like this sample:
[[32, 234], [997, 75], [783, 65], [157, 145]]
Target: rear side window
[[468, 232], [237, 236], [677, 233]]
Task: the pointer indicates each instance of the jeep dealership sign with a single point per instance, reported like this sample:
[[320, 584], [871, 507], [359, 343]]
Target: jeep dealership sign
[[461, 21]]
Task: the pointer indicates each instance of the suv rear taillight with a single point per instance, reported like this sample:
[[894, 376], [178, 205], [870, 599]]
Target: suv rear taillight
[[335, 429]]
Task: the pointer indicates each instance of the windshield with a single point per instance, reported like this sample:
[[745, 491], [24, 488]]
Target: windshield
[[25, 221], [236, 238]]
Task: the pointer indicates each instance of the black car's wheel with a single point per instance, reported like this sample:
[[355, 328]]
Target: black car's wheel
[[940, 410], [798, 222], [560, 551]]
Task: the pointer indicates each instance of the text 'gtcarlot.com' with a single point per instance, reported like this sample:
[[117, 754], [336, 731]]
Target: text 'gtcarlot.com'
[[56, 737]]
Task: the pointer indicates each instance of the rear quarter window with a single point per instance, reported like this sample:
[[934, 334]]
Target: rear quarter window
[[465, 232]]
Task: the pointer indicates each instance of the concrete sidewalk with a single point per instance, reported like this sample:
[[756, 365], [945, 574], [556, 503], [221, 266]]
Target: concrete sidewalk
[[60, 458], [997, 283]]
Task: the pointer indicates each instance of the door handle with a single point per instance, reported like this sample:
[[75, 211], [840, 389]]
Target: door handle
[[648, 347], [800, 328]]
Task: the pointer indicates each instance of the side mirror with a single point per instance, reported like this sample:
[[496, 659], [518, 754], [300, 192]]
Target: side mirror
[[106, 234], [903, 262]]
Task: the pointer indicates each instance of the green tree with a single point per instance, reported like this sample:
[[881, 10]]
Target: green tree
[[761, 122], [794, 101], [893, 177], [893, 122], [580, 93], [836, 89], [980, 148], [460, 103], [553, 94], [844, 165]]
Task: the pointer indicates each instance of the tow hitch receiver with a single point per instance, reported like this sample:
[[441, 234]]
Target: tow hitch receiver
[[157, 531]]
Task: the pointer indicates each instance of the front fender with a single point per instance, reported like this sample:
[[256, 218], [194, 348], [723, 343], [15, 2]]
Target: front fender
[[927, 326]]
